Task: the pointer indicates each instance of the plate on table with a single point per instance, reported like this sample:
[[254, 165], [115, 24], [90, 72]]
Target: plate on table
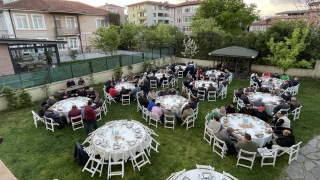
[[132, 143], [97, 142], [206, 175], [137, 130], [104, 144], [186, 178], [139, 135], [115, 147]]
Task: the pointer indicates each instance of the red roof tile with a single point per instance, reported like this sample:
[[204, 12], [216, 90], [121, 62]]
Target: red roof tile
[[54, 6]]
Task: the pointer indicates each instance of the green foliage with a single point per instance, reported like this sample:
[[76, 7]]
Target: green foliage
[[10, 96], [25, 98], [73, 54], [200, 25], [114, 18], [285, 53], [208, 41], [232, 16], [141, 38], [147, 64], [127, 33], [190, 48], [159, 37], [106, 39], [118, 71]]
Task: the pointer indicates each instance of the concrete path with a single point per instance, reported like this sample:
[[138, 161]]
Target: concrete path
[[307, 166]]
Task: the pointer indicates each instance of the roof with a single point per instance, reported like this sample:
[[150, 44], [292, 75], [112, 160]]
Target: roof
[[28, 41], [187, 3], [293, 12], [54, 6], [235, 51], [111, 5], [264, 22], [152, 3]]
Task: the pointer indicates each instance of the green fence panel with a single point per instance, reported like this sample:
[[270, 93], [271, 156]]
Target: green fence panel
[[80, 69], [35, 78], [60, 73], [137, 58], [113, 62], [171, 51], [99, 65], [148, 55], [126, 60], [10, 80], [156, 54], [164, 52]]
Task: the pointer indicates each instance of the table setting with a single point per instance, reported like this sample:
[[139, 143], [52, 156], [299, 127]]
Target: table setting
[[202, 174], [260, 131], [269, 100], [215, 72], [175, 102], [126, 85], [182, 67], [199, 83], [275, 82]]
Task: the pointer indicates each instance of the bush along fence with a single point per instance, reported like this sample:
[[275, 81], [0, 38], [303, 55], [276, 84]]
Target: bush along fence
[[54, 74]]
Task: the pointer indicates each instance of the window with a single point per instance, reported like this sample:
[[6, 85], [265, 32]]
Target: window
[[154, 7], [3, 25], [70, 22], [186, 19], [187, 9], [179, 11], [38, 22], [141, 14], [185, 28], [22, 21], [133, 15], [154, 14], [73, 43], [141, 21], [179, 20], [160, 7], [61, 46], [102, 23]]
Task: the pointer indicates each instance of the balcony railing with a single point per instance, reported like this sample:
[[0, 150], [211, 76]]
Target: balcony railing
[[142, 17], [141, 10], [63, 31]]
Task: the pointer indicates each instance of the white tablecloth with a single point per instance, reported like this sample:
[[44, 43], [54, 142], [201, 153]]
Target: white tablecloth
[[64, 106], [216, 72], [160, 75], [176, 102], [197, 174], [259, 127], [207, 83], [182, 67], [126, 85], [126, 134], [275, 81], [269, 100]]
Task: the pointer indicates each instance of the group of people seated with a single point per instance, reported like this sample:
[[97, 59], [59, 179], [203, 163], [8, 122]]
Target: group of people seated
[[285, 78]]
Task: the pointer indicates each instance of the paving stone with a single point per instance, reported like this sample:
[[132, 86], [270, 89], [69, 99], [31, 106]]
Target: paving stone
[[310, 176], [308, 165], [318, 137], [308, 149], [312, 157], [319, 145], [295, 170], [317, 154], [313, 143], [301, 158], [316, 172], [317, 162]]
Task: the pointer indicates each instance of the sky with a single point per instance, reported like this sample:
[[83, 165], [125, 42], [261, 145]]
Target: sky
[[267, 7]]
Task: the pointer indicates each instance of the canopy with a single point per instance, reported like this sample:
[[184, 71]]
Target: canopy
[[235, 51]]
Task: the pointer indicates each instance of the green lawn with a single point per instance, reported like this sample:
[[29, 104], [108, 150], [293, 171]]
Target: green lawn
[[34, 153]]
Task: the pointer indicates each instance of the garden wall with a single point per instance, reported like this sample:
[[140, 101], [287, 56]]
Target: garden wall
[[101, 77]]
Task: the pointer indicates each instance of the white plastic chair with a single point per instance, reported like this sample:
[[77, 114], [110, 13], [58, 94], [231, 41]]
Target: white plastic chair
[[212, 95], [36, 118], [166, 121], [296, 89], [104, 108], [88, 140], [230, 78], [172, 82], [50, 124], [212, 79], [229, 176], [180, 74], [153, 84], [296, 113], [201, 94], [223, 93], [125, 99], [141, 155], [98, 115], [220, 145], [165, 84], [268, 154], [145, 113], [284, 111], [154, 119], [251, 159], [209, 132], [139, 107], [137, 95], [109, 98], [240, 104], [94, 163], [205, 167], [112, 162], [89, 150], [293, 152], [79, 123], [151, 144], [235, 99], [175, 175], [189, 120]]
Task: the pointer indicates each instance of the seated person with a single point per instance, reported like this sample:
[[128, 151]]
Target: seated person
[[81, 92], [261, 114], [114, 80], [238, 92], [135, 90], [171, 76], [202, 88], [168, 111], [65, 95], [281, 123], [187, 111], [42, 109], [71, 83], [163, 92], [285, 85], [199, 72], [269, 84], [246, 144], [132, 78], [256, 80], [227, 74], [122, 79], [211, 88], [156, 112], [221, 112], [215, 124], [74, 112], [264, 89], [247, 110], [152, 95], [252, 88], [276, 75], [123, 91], [285, 77], [172, 91], [91, 93], [163, 78], [229, 138], [294, 104], [295, 81], [55, 117], [283, 105], [286, 96], [284, 141], [98, 101], [258, 102], [244, 98], [206, 78], [112, 91], [220, 78], [180, 68], [186, 83], [184, 92], [276, 92], [220, 87], [81, 81], [266, 74], [154, 70], [193, 104], [51, 101], [151, 104], [143, 101], [230, 108], [154, 77]]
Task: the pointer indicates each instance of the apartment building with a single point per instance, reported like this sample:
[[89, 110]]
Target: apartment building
[[61, 20], [183, 13], [261, 25], [115, 9], [150, 13], [292, 15]]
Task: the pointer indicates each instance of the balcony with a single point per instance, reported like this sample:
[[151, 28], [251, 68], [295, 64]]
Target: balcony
[[142, 17], [63, 31], [141, 10]]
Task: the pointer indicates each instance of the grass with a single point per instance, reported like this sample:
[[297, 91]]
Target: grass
[[34, 153]]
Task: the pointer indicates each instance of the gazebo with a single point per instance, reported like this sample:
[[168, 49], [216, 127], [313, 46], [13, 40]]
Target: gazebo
[[236, 58]]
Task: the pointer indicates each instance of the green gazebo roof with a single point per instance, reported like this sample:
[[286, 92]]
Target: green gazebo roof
[[235, 51]]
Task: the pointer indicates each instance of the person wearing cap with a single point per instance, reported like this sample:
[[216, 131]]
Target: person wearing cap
[[261, 114], [244, 98], [42, 109], [246, 144], [284, 141], [230, 108], [81, 81], [282, 105], [229, 138], [276, 92], [151, 104], [266, 74], [55, 117], [258, 102], [247, 110], [74, 112]]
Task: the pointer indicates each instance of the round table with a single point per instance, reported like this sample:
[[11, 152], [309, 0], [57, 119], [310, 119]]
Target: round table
[[206, 83], [182, 67], [269, 100], [248, 124], [275, 81], [215, 72], [198, 174], [119, 135], [176, 103], [64, 106], [126, 85]]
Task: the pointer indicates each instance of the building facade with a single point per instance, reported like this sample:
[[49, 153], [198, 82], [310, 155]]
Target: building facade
[[115, 9], [261, 25]]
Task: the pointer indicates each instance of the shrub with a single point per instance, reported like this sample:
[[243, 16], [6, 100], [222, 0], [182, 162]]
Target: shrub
[[24, 98], [10, 96]]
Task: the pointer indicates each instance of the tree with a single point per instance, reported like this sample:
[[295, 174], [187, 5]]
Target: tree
[[106, 39], [141, 38], [114, 18], [159, 37], [199, 25], [285, 53], [232, 16], [127, 33], [207, 41], [190, 48]]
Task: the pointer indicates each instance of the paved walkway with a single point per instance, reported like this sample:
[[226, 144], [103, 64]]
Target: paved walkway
[[307, 166]]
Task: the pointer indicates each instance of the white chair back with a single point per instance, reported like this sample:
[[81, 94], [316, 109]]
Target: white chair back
[[50, 124], [36, 118], [205, 167], [94, 163], [138, 159], [98, 115], [153, 84], [221, 145], [180, 74], [112, 162], [189, 120], [212, 95], [268, 154], [169, 119], [104, 108], [229, 176], [296, 113], [251, 158], [154, 119], [209, 132], [201, 94], [78, 123], [125, 99], [293, 152], [165, 84], [151, 143]]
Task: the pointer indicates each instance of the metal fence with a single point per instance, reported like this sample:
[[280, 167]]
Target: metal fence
[[40, 77]]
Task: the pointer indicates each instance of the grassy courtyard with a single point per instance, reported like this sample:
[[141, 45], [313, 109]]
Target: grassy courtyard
[[34, 153]]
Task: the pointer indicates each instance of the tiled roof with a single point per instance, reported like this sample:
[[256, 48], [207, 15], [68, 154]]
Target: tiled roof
[[111, 5], [264, 22], [187, 3], [54, 6], [152, 3]]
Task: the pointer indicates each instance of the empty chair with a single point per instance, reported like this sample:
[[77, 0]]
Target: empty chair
[[104, 108], [240, 104], [151, 144], [125, 99], [153, 84], [109, 98], [296, 113], [77, 122], [50, 124], [229, 176], [36, 118], [175, 175], [221, 145], [139, 107], [154, 119], [98, 115], [209, 132], [201, 94], [268, 154], [180, 74], [293, 152], [223, 93], [94, 163], [165, 84], [115, 163], [230, 78], [172, 82], [212, 95], [169, 119], [139, 159], [205, 167], [189, 120], [251, 158], [145, 113]]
